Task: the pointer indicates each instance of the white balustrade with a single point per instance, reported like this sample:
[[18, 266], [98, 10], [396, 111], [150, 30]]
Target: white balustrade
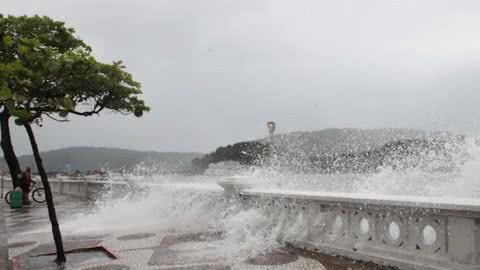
[[406, 232], [401, 231]]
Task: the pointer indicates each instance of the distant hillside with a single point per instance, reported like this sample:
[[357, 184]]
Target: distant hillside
[[347, 140], [304, 149], [425, 154], [92, 158], [250, 153]]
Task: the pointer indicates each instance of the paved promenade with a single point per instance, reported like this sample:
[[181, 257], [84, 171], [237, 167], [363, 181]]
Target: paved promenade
[[28, 237], [3, 241]]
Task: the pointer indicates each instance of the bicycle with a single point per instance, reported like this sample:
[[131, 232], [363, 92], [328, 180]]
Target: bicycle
[[37, 193]]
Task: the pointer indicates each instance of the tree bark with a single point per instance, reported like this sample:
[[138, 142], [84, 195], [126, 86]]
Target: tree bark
[[57, 236], [7, 147]]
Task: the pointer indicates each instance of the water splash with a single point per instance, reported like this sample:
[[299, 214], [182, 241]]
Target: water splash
[[179, 204]]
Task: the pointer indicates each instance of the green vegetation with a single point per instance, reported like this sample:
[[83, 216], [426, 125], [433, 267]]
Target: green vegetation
[[46, 71], [344, 151], [248, 153], [425, 154]]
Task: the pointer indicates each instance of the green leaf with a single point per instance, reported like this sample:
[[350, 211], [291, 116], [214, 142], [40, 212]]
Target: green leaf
[[20, 98], [68, 103], [23, 49], [138, 112], [19, 122], [10, 105], [20, 113], [5, 93], [8, 40]]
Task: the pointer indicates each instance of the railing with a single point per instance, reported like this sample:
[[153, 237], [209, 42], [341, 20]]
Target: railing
[[85, 189], [406, 232]]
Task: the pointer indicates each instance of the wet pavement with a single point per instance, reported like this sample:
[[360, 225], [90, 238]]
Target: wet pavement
[[138, 250], [27, 239], [3, 241]]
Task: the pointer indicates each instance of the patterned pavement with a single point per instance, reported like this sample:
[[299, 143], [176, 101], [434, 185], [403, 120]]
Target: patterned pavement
[[3, 241], [29, 236], [136, 250]]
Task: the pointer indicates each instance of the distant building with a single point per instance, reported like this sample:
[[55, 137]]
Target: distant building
[[65, 169], [226, 168]]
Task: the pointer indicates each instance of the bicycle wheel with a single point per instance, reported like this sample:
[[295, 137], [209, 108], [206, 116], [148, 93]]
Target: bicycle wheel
[[38, 195], [7, 197]]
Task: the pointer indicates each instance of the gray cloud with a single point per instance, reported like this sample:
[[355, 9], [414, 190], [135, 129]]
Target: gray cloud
[[215, 71]]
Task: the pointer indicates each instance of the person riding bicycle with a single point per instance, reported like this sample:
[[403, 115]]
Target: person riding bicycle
[[26, 184]]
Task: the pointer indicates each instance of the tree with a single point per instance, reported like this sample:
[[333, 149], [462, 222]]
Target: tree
[[45, 71], [7, 147]]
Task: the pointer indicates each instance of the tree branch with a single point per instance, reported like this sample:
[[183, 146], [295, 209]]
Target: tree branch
[[56, 119]]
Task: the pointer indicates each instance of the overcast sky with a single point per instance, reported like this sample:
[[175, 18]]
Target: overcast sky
[[214, 72]]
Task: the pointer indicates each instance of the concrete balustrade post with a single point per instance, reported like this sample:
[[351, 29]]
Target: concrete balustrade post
[[463, 240], [85, 189], [232, 187], [61, 186]]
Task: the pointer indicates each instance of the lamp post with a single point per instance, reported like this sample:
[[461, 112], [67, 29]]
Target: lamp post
[[271, 130]]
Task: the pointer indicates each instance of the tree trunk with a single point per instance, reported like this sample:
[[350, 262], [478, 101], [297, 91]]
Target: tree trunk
[[57, 236], [7, 147]]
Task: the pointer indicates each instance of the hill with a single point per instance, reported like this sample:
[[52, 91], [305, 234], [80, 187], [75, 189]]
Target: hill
[[92, 158], [304, 150], [347, 140], [427, 154]]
